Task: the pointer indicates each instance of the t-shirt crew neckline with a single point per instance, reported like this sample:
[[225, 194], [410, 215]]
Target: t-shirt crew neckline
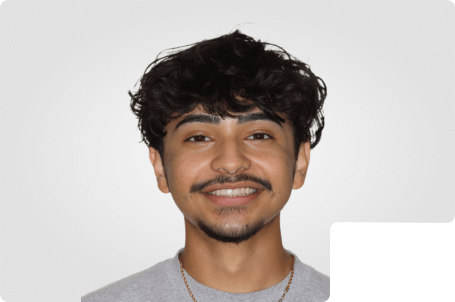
[[175, 275]]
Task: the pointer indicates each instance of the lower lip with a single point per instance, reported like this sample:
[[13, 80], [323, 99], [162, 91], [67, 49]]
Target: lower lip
[[225, 201]]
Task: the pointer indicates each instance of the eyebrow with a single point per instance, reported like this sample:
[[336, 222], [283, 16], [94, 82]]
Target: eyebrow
[[216, 120]]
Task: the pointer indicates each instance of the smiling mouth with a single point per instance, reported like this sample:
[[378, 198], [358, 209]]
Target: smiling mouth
[[232, 200], [233, 192]]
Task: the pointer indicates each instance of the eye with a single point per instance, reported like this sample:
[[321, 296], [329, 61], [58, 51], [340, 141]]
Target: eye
[[198, 139], [260, 136]]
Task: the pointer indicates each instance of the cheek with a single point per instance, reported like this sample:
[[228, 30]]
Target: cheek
[[277, 162], [278, 169], [187, 163], [183, 170]]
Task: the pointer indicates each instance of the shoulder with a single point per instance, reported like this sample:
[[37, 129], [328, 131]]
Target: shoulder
[[315, 284], [136, 287]]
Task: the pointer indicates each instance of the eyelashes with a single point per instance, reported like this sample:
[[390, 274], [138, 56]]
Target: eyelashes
[[202, 138]]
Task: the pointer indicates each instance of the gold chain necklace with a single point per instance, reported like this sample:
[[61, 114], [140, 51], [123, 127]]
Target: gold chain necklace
[[281, 299]]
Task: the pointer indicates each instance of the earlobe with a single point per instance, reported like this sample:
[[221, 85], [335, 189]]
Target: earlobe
[[157, 163], [301, 165]]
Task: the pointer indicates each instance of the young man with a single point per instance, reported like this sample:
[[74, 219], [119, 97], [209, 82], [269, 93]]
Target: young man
[[229, 123]]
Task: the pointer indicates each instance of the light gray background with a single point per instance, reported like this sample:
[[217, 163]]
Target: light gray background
[[79, 203]]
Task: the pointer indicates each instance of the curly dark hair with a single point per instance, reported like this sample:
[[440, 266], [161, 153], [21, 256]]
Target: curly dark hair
[[230, 74]]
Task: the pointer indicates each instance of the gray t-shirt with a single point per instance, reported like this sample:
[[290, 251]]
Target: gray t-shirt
[[163, 282]]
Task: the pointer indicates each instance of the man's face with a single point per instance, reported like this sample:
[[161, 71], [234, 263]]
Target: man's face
[[201, 150]]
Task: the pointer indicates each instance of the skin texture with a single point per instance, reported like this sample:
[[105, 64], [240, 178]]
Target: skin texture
[[228, 146]]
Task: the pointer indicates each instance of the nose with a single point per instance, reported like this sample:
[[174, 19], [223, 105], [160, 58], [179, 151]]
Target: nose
[[231, 158]]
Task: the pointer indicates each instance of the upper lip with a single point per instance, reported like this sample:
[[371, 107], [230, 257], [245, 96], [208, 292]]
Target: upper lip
[[243, 184]]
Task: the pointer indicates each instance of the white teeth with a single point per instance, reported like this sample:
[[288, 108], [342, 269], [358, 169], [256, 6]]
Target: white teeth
[[233, 192]]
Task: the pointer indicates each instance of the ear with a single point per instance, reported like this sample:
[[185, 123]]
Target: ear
[[301, 165], [157, 163]]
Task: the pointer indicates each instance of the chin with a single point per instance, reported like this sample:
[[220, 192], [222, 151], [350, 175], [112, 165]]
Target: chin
[[231, 233]]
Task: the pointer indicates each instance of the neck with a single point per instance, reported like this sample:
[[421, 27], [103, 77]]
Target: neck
[[254, 264]]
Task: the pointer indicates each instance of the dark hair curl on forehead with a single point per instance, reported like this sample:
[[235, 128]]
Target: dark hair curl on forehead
[[227, 75]]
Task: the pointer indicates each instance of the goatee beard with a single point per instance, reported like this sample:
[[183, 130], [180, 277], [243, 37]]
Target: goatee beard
[[231, 235]]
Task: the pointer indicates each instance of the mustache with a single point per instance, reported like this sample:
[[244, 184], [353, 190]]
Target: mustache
[[222, 179]]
